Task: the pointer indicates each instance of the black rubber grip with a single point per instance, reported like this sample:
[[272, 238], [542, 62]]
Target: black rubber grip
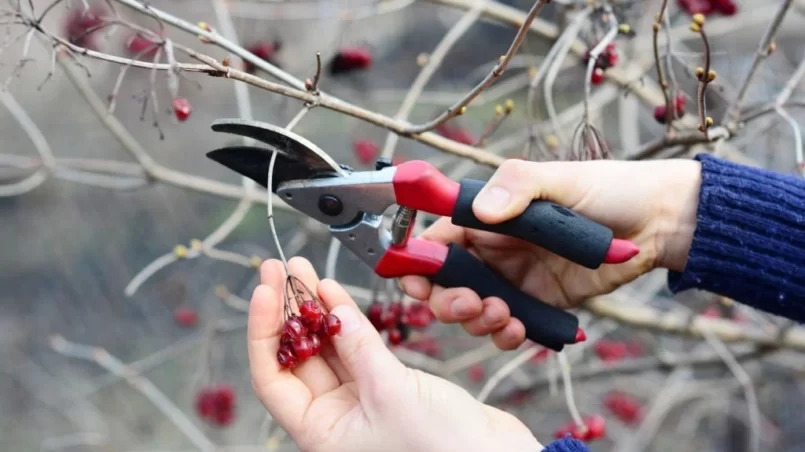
[[544, 324], [545, 224]]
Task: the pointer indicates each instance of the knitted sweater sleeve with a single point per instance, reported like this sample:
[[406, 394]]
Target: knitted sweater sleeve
[[566, 444], [749, 242]]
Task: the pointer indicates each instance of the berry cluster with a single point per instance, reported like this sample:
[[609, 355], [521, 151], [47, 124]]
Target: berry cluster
[[707, 7], [607, 59], [301, 334], [82, 24], [611, 351], [623, 406], [349, 60], [458, 134], [266, 51], [365, 151], [397, 319], [661, 113], [216, 405], [594, 428]]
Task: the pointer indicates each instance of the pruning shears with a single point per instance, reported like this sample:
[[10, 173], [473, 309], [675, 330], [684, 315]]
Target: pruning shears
[[352, 204]]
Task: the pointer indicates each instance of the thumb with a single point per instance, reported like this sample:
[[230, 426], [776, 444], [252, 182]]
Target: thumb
[[517, 182], [360, 348]]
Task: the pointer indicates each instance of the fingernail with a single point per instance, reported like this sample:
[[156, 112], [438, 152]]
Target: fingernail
[[401, 285], [349, 317], [491, 200], [461, 307]]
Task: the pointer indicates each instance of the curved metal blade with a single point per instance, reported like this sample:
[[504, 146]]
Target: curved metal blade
[[253, 162], [287, 144]]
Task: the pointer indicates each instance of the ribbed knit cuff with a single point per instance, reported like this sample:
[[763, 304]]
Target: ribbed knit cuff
[[566, 444], [749, 243]]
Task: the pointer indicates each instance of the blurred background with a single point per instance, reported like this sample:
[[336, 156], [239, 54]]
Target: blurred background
[[72, 245]]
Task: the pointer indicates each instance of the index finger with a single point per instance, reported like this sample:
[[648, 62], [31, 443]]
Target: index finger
[[284, 395], [442, 231]]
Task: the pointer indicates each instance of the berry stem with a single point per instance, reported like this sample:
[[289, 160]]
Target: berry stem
[[669, 114], [564, 367], [270, 200], [594, 53]]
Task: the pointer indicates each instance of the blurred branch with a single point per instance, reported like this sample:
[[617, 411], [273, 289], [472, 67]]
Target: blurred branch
[[40, 144], [113, 365], [681, 324], [434, 62], [459, 107], [734, 110]]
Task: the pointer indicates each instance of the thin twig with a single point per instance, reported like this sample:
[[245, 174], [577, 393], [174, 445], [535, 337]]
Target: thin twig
[[459, 107], [506, 370], [734, 110], [434, 61], [669, 115], [113, 365]]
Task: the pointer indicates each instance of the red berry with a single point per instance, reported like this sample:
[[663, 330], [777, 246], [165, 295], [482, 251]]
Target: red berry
[[309, 309], [598, 76], [310, 315], [610, 47], [350, 59], [679, 104], [389, 319], [224, 396], [303, 348], [375, 315], [365, 151], [286, 357], [185, 317], [395, 336], [610, 350], [224, 417], [596, 428], [286, 339], [294, 328], [696, 6], [476, 373], [612, 56], [82, 25], [581, 336], [137, 43], [316, 343], [265, 51], [660, 114], [396, 308], [182, 109], [205, 403], [726, 7], [332, 325], [623, 406]]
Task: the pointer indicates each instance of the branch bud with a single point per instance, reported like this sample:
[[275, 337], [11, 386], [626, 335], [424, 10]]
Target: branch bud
[[711, 76], [708, 121], [422, 59], [462, 110], [509, 105], [624, 29], [255, 262], [309, 84], [206, 27], [772, 48], [695, 28], [221, 291], [698, 19], [196, 244], [498, 110], [551, 141], [699, 72], [180, 251]]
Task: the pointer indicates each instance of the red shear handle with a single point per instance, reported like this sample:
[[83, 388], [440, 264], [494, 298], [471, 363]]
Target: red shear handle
[[419, 185], [453, 266]]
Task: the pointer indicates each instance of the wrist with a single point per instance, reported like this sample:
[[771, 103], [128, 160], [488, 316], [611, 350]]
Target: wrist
[[678, 203]]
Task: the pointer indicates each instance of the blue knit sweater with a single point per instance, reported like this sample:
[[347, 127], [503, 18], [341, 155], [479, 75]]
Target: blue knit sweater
[[749, 244]]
